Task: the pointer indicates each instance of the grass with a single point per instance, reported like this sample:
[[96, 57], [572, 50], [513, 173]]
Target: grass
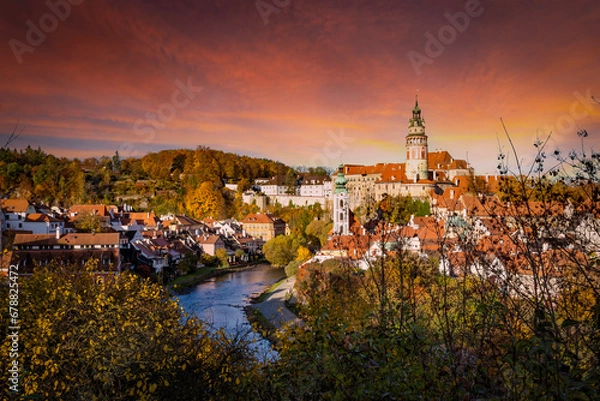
[[189, 280], [182, 283], [270, 290]]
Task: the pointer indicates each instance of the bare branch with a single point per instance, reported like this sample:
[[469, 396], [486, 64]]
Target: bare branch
[[512, 145], [16, 132]]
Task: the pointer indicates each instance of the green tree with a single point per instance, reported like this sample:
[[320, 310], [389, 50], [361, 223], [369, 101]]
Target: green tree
[[87, 223], [398, 209], [318, 232], [292, 268], [188, 264], [281, 250], [116, 163], [291, 181]]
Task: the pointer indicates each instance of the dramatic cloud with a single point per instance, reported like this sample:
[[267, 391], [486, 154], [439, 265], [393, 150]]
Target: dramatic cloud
[[320, 81]]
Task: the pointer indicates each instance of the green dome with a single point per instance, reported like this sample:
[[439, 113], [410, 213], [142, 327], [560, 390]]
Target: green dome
[[340, 181]]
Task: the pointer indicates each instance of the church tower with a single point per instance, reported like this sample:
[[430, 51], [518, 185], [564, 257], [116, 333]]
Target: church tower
[[416, 147], [341, 214]]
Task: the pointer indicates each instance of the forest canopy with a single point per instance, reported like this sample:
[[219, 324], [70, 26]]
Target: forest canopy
[[159, 181]]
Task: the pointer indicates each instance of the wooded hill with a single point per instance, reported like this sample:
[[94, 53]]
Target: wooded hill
[[169, 180]]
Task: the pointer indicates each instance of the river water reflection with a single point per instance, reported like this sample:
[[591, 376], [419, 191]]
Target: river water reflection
[[221, 301]]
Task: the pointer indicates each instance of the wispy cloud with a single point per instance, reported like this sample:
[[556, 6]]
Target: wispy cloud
[[275, 90]]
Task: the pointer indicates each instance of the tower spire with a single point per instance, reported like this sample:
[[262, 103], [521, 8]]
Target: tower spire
[[417, 119], [341, 215], [416, 146]]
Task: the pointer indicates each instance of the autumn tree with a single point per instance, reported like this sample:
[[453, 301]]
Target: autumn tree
[[223, 257], [205, 201], [243, 185], [399, 209], [120, 339]]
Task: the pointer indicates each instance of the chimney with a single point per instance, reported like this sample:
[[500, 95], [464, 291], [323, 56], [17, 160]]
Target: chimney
[[57, 232]]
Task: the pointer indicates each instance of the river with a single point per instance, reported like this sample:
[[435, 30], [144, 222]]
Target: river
[[221, 301]]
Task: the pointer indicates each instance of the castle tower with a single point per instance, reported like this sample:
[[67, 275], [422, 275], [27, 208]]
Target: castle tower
[[341, 215], [416, 147]]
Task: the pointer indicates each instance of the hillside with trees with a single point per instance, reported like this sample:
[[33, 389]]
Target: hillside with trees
[[182, 180]]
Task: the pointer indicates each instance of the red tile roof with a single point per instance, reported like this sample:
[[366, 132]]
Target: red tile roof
[[354, 246], [393, 172], [209, 239], [14, 205], [260, 218], [100, 210], [358, 169], [147, 219], [67, 239], [443, 160], [41, 218]]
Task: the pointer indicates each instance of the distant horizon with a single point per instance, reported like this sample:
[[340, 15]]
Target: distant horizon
[[303, 82], [82, 156]]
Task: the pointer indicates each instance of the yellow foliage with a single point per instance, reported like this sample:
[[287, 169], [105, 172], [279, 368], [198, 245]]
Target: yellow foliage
[[124, 339], [303, 254]]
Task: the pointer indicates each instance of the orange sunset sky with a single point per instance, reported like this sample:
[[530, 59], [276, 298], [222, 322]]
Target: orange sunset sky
[[301, 81]]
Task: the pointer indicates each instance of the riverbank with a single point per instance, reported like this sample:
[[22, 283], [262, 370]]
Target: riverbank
[[272, 313], [183, 284]]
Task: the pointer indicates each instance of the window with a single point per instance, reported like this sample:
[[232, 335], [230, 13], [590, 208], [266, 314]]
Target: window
[[341, 216]]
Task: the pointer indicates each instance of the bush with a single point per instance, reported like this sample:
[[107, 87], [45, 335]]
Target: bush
[[189, 264], [210, 261], [292, 268]]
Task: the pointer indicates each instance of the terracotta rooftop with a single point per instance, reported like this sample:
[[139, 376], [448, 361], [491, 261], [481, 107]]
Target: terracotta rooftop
[[208, 239], [357, 169], [100, 210], [67, 239], [14, 205], [393, 172], [41, 218], [443, 160], [147, 219], [355, 246], [259, 218]]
